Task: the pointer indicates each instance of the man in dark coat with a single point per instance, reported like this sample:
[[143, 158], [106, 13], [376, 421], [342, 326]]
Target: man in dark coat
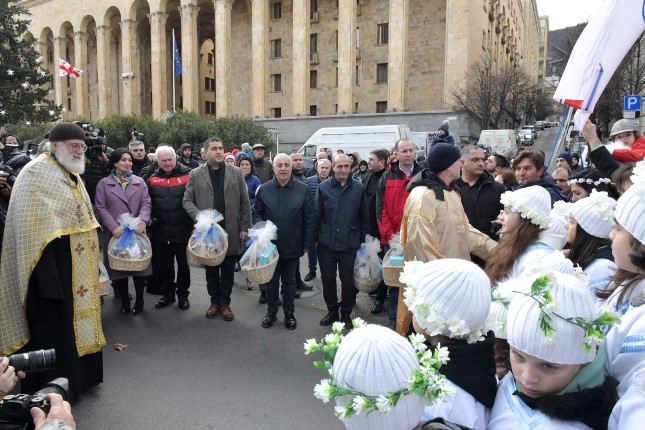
[[343, 223], [530, 170], [288, 204], [186, 156], [139, 158], [262, 166], [171, 227]]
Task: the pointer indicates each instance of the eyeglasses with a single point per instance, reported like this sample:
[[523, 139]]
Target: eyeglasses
[[76, 146]]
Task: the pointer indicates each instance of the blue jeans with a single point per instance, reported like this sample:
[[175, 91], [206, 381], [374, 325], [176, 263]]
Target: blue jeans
[[285, 271], [311, 255], [219, 281]]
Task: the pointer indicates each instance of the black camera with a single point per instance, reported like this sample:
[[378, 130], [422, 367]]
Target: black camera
[[15, 408], [33, 361], [135, 135], [93, 138], [12, 173]]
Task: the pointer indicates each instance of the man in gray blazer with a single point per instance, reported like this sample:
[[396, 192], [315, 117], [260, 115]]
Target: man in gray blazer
[[216, 185]]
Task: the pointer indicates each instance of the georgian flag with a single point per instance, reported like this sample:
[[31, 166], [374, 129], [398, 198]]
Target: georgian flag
[[597, 54], [64, 69]]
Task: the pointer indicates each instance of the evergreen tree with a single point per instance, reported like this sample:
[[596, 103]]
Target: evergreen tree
[[23, 79]]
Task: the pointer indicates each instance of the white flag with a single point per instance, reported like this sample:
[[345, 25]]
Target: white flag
[[64, 69], [597, 54]]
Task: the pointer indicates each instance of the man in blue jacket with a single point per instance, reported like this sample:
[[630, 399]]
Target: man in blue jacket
[[343, 222], [286, 202]]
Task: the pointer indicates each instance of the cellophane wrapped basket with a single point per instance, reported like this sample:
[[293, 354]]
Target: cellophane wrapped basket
[[368, 272], [393, 262], [208, 244], [131, 252], [261, 258], [104, 280]]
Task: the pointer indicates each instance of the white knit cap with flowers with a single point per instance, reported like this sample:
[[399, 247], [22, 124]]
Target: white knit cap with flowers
[[532, 203], [556, 235], [537, 324], [502, 294], [631, 205], [595, 214], [449, 297]]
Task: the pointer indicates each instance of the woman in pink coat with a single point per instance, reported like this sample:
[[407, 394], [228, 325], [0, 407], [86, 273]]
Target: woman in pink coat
[[122, 192]]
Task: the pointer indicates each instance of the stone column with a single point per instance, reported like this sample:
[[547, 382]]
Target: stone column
[[159, 52], [397, 53], [260, 39], [104, 86], [60, 82], [81, 83], [222, 56], [128, 47], [300, 60], [346, 54], [189, 57]]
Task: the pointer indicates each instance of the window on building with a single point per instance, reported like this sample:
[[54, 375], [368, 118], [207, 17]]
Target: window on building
[[313, 7], [210, 108], [358, 37], [207, 85], [381, 73], [276, 48], [336, 85], [276, 82], [313, 79], [381, 107], [336, 108], [355, 107], [276, 112], [382, 33], [313, 42], [210, 58], [50, 56], [358, 76], [276, 10], [313, 110]]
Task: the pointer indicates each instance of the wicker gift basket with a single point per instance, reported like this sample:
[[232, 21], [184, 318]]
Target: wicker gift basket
[[367, 266], [122, 261], [261, 257], [261, 274], [391, 273], [208, 244], [366, 285]]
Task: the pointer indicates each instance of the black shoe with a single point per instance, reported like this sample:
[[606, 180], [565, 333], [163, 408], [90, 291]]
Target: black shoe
[[263, 297], [269, 319], [125, 308], [309, 276], [290, 321], [184, 304], [378, 306], [137, 309], [165, 301], [345, 318], [302, 286], [329, 319], [297, 294], [237, 266]]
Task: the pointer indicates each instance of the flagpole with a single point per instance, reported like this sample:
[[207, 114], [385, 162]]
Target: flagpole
[[174, 62]]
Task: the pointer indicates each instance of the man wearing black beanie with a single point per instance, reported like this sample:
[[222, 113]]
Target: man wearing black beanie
[[434, 222]]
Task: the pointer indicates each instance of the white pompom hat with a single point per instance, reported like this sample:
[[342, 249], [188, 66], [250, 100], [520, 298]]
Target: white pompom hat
[[532, 203], [595, 214], [631, 205], [375, 360]]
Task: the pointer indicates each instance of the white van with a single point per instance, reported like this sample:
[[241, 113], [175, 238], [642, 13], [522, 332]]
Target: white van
[[500, 142], [361, 139]]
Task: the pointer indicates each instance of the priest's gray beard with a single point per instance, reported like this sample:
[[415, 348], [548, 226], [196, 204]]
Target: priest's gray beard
[[66, 159]]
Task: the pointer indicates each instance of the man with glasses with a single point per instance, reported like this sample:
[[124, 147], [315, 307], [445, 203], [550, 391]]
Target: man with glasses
[[49, 269]]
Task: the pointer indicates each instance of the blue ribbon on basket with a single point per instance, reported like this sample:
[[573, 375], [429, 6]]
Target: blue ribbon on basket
[[251, 241], [125, 240]]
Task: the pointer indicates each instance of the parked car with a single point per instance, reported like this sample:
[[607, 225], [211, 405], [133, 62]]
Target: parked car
[[531, 129], [538, 125], [525, 137]]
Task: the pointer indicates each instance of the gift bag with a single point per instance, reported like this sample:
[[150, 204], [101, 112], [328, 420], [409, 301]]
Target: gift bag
[[104, 280], [393, 262], [208, 244], [367, 266], [261, 257], [131, 252]]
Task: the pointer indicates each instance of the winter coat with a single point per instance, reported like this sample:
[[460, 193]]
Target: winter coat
[[252, 184], [112, 201], [547, 182], [391, 197], [291, 209], [370, 183], [139, 165], [199, 195], [446, 138], [341, 215], [633, 154], [312, 183], [170, 222], [191, 163], [486, 205], [95, 170], [263, 169]]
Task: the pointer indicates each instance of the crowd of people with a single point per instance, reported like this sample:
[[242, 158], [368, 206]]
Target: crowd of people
[[530, 281]]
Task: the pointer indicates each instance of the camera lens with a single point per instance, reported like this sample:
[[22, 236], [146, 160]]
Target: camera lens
[[34, 361], [57, 386]]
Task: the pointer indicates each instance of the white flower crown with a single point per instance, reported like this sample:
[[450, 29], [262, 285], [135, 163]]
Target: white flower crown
[[602, 205], [590, 181], [509, 198]]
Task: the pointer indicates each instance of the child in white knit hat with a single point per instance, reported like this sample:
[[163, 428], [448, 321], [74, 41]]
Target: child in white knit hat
[[555, 236], [558, 380], [625, 345], [450, 301], [590, 221], [525, 216], [378, 379]]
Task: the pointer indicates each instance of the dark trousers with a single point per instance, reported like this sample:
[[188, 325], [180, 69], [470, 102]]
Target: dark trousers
[[122, 286], [381, 290], [311, 255], [343, 261], [219, 281], [166, 255], [285, 271]]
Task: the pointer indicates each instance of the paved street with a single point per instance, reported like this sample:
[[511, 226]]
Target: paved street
[[183, 371], [545, 142]]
